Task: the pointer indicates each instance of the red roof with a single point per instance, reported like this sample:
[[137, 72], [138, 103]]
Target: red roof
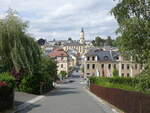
[[58, 53]]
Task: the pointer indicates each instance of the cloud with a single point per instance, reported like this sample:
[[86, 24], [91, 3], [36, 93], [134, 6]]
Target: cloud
[[52, 19]]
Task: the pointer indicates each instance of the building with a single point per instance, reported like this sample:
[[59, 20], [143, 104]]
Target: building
[[62, 58], [79, 46], [82, 39], [73, 58], [98, 62]]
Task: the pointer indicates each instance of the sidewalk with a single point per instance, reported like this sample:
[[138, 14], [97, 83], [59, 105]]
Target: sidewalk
[[20, 99]]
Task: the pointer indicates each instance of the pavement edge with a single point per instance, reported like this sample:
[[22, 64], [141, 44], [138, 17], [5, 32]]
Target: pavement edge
[[113, 108]]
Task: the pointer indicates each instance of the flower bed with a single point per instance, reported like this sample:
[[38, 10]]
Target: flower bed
[[6, 96], [7, 85]]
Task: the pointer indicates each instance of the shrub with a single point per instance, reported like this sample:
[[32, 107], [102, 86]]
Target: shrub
[[43, 76], [122, 80], [8, 79], [115, 72], [143, 82], [26, 85], [114, 82], [33, 84], [63, 74]]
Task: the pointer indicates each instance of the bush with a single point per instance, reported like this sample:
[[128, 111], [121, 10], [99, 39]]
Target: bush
[[26, 85], [143, 82], [94, 80], [33, 84], [8, 79], [115, 82], [63, 74], [119, 80], [115, 72], [43, 77], [122, 80]]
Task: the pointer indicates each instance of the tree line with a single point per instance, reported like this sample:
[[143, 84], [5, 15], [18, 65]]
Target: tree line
[[100, 42]]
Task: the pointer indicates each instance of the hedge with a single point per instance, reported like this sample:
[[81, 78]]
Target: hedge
[[140, 83]]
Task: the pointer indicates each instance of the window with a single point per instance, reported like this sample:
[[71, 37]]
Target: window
[[122, 74], [61, 58], [122, 66], [93, 58], [128, 74], [88, 58], [135, 66], [109, 66], [88, 66], [114, 66], [88, 73], [128, 66], [61, 65], [93, 66], [102, 65], [105, 57]]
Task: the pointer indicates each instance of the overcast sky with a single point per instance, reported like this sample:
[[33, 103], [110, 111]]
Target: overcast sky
[[61, 19]]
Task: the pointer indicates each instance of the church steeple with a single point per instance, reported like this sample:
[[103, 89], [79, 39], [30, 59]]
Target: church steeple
[[82, 40], [82, 30]]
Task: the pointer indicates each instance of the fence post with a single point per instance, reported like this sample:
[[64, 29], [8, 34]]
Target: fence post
[[140, 102]]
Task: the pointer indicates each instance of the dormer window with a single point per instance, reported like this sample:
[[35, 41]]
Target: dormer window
[[117, 58], [105, 57]]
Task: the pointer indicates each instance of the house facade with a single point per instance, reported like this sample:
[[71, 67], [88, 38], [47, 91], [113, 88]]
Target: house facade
[[98, 62], [62, 59]]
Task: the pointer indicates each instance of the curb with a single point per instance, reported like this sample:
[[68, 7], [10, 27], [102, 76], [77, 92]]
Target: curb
[[28, 103], [113, 108]]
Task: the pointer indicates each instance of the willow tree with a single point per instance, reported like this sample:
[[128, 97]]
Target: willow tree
[[18, 50], [133, 17]]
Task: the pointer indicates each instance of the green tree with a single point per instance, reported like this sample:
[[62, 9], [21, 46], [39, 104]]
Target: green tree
[[98, 42], [63, 74], [69, 39], [109, 41], [133, 17], [17, 49], [49, 68]]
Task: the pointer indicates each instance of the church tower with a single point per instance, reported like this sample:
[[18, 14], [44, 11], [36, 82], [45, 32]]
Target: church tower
[[82, 40]]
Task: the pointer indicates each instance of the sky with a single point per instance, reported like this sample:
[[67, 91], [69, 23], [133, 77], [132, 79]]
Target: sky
[[61, 19]]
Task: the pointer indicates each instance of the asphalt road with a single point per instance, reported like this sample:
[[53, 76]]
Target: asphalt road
[[68, 98]]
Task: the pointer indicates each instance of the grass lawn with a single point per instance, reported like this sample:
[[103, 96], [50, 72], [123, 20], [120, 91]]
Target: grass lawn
[[120, 86]]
